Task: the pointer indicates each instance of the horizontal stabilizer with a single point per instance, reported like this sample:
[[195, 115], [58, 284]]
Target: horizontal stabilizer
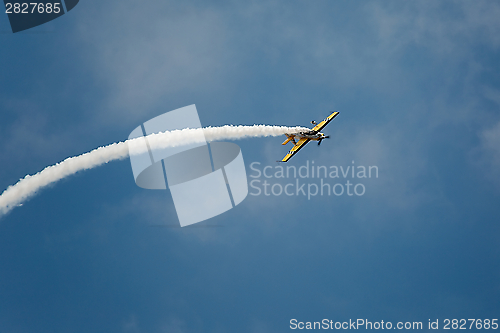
[[289, 137]]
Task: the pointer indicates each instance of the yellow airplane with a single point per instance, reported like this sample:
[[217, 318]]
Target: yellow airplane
[[304, 137]]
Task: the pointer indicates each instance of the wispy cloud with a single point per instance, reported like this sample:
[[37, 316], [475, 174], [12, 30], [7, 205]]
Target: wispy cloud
[[489, 151], [150, 53]]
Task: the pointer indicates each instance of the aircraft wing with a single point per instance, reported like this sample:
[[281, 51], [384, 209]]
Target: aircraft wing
[[325, 122], [301, 143]]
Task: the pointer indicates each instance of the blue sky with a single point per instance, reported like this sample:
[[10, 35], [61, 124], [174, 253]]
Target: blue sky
[[418, 87]]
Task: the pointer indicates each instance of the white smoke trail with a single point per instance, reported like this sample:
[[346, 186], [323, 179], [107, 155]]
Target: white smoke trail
[[29, 185]]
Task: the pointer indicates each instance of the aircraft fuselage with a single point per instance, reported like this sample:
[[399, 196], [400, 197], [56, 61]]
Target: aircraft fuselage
[[311, 135]]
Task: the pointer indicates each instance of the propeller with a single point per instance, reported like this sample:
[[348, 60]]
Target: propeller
[[325, 137]]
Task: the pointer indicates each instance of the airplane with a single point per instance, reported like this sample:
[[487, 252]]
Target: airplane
[[304, 137]]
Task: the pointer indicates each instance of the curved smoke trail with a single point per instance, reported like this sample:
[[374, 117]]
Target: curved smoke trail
[[29, 185]]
